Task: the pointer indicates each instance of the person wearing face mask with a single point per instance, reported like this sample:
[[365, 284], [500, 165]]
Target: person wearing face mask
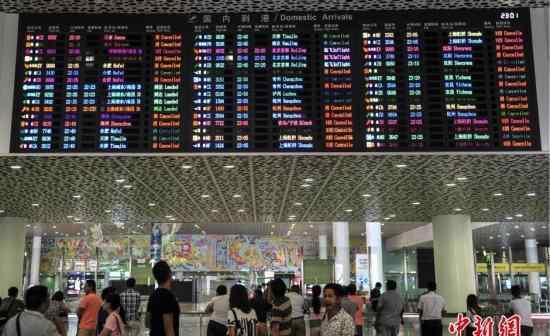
[[115, 325], [336, 321], [32, 322]]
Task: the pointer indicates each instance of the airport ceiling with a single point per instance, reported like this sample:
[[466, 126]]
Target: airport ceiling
[[223, 6], [261, 194]]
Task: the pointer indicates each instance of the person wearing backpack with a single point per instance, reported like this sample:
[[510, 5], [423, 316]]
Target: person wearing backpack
[[116, 324], [32, 322], [242, 319], [11, 306]]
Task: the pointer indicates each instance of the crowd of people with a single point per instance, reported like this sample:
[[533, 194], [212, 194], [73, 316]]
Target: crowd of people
[[334, 310]]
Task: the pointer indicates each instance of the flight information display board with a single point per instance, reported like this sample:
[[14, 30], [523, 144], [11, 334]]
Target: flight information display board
[[378, 81]]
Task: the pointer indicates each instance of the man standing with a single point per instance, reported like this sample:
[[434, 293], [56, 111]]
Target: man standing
[[298, 306], [336, 321], [163, 308], [131, 302], [389, 311], [522, 307], [281, 310], [88, 310], [11, 306], [431, 307], [349, 306], [32, 322]]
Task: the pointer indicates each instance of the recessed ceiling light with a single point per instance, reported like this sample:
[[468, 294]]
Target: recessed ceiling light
[[108, 211], [497, 194], [531, 194], [509, 218], [366, 195], [168, 216], [35, 204], [401, 165], [544, 226], [127, 186], [308, 179], [77, 196], [311, 226], [289, 216], [485, 209], [491, 237], [186, 167], [516, 227], [348, 210], [461, 178], [172, 219], [305, 185], [120, 180], [503, 247], [532, 229], [229, 166], [70, 217], [451, 184], [152, 204], [214, 210], [382, 224], [16, 167], [297, 203], [28, 225], [387, 218], [205, 196], [392, 216], [507, 233], [519, 215], [237, 196], [240, 210], [196, 226], [457, 209], [522, 236], [54, 227], [2, 211], [77, 219], [415, 203]]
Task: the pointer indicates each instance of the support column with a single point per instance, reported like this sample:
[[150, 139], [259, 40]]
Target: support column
[[340, 239], [12, 253], [374, 247], [35, 259], [323, 247], [532, 258], [454, 261]]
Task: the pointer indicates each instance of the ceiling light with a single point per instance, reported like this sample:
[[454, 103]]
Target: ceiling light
[[35, 204], [168, 216], [127, 186], [507, 233], [16, 167], [77, 219], [120, 180], [271, 233], [516, 227], [305, 185], [205, 196], [152, 204], [2, 211], [108, 211], [400, 165], [362, 234], [451, 184], [519, 215], [289, 216], [240, 210], [531, 194], [532, 229], [387, 218], [392, 216], [415, 203], [196, 226], [461, 178], [491, 237], [522, 236], [297, 203], [305, 233], [366, 195], [77, 196], [186, 167], [382, 224], [485, 209], [236, 196], [272, 226], [54, 227], [497, 194], [348, 210], [544, 226], [172, 219], [509, 218], [503, 247], [56, 232], [308, 180], [311, 226], [78, 233], [214, 210], [28, 225], [229, 166], [457, 209]]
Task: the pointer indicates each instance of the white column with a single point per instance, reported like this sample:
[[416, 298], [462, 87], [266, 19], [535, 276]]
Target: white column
[[12, 252], [323, 247], [532, 258], [374, 246], [35, 259], [454, 260], [340, 239]]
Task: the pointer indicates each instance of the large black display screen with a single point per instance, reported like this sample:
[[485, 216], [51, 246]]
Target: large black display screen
[[276, 82]]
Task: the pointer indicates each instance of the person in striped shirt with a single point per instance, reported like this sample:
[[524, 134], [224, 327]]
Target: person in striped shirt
[[281, 310]]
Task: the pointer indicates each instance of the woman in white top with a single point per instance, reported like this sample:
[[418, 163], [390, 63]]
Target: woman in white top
[[242, 319], [218, 308]]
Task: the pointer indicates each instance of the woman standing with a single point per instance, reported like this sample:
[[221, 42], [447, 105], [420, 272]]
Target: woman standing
[[218, 308], [316, 312], [58, 313], [242, 319], [115, 325], [473, 309], [261, 307]]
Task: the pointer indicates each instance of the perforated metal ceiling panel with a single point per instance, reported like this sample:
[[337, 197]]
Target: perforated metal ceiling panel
[[215, 6], [264, 194]]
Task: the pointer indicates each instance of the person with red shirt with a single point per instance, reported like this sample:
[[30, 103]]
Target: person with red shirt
[[360, 312]]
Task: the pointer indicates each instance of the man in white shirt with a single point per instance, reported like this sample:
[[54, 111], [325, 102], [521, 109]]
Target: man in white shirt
[[298, 306], [31, 322], [218, 307], [431, 307], [522, 307]]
